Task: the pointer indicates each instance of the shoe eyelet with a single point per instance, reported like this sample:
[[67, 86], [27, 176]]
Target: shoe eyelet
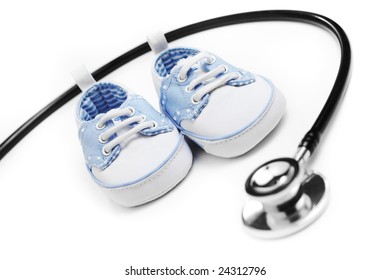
[[212, 61], [195, 102], [132, 111], [154, 124], [105, 153], [101, 140], [98, 127], [225, 68], [143, 118], [181, 80], [188, 90]]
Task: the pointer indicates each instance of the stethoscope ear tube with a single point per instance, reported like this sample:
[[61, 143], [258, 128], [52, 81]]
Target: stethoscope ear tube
[[309, 141]]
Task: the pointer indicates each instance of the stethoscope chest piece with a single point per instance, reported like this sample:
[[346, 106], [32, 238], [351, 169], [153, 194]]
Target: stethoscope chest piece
[[284, 198]]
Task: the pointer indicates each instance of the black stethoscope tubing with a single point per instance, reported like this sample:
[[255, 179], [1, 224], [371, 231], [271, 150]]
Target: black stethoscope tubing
[[311, 138]]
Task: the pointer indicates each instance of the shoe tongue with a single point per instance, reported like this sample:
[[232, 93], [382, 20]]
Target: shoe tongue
[[180, 63], [118, 120], [124, 105], [196, 70]]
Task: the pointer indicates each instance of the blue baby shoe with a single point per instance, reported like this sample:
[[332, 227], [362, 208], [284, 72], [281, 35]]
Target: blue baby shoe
[[222, 108], [132, 151]]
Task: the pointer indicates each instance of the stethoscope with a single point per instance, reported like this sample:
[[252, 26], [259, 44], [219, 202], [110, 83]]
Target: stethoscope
[[284, 196]]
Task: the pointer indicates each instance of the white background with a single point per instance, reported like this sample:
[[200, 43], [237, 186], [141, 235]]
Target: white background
[[57, 224]]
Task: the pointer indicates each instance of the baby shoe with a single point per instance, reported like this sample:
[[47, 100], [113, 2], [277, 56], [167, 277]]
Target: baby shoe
[[132, 151], [224, 109]]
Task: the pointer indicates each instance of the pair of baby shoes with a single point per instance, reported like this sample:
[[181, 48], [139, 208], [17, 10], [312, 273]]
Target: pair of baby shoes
[[137, 154]]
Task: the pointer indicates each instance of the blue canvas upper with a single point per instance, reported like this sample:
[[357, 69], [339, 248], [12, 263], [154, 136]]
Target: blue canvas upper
[[175, 101], [98, 100]]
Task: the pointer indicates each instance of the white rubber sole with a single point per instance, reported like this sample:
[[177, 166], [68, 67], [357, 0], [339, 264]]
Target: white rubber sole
[[247, 139], [158, 183]]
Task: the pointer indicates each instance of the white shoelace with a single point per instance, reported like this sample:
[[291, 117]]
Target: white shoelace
[[210, 85], [127, 112]]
